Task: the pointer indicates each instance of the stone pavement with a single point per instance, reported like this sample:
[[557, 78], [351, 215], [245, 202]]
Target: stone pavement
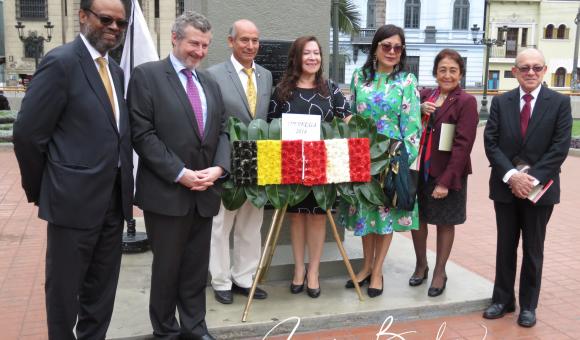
[[23, 244]]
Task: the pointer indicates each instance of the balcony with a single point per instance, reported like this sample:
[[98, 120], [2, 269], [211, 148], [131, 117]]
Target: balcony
[[507, 51], [364, 36]]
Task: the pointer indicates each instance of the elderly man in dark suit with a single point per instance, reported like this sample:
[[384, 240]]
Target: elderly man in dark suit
[[530, 125], [72, 141], [179, 131], [246, 88]]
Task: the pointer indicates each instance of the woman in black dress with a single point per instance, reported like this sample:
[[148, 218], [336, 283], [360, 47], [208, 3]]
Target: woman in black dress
[[304, 90]]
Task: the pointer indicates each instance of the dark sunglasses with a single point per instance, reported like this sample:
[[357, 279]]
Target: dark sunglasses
[[526, 69], [108, 21], [386, 48]]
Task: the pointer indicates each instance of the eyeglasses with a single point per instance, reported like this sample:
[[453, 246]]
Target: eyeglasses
[[526, 69], [386, 48], [108, 21]]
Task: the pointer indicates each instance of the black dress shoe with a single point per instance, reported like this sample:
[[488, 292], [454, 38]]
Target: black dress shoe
[[349, 284], [374, 292], [259, 293], [527, 318], [498, 310], [417, 281], [223, 296], [297, 289], [436, 291], [206, 336], [312, 292]]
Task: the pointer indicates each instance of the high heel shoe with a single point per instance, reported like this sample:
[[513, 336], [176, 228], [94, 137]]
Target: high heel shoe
[[312, 292], [417, 281], [435, 291], [349, 284], [297, 289], [374, 292]]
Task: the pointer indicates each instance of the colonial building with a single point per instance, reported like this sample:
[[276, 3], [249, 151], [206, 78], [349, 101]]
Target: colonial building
[[277, 20], [429, 27], [545, 24]]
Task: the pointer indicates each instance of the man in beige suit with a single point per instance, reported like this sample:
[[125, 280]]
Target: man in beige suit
[[246, 89]]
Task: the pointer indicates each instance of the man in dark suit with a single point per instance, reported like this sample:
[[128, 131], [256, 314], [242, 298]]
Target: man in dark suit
[[73, 144], [179, 131], [245, 97], [529, 125]]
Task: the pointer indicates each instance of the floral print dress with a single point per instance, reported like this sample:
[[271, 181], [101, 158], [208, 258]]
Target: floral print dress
[[394, 105]]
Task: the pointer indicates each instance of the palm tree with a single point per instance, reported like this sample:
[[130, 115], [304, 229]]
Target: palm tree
[[349, 19]]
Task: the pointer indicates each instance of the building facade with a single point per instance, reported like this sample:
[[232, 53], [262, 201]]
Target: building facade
[[277, 20], [545, 24], [429, 27]]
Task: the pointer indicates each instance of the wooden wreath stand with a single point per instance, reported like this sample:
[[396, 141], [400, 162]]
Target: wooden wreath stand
[[268, 254]]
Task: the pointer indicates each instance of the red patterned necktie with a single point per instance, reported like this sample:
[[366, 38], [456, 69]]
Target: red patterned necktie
[[194, 100], [525, 113]]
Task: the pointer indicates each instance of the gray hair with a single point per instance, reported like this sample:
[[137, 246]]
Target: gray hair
[[190, 18], [530, 50]]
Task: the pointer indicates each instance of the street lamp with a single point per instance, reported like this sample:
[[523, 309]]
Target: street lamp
[[34, 43], [483, 112]]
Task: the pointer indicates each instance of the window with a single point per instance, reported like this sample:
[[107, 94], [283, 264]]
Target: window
[[412, 13], [560, 77], [179, 7], [561, 34], [549, 32], [31, 9], [461, 15], [413, 65], [524, 37], [508, 74]]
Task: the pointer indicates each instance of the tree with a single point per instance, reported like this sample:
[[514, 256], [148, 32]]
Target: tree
[[349, 19]]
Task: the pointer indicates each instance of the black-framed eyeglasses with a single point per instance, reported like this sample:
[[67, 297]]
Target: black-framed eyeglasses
[[526, 69], [387, 47], [108, 21]]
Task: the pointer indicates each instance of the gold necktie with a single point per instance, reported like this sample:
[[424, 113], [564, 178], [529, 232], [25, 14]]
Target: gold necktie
[[251, 91], [107, 82]]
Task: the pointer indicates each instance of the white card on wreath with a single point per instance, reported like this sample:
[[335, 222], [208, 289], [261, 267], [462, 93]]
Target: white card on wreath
[[297, 126]]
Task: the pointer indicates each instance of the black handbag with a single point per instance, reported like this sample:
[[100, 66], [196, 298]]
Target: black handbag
[[400, 182]]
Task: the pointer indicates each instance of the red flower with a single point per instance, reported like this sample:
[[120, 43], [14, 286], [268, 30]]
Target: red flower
[[360, 159], [315, 163]]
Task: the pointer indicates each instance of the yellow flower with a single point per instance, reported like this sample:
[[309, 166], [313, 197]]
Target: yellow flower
[[269, 162]]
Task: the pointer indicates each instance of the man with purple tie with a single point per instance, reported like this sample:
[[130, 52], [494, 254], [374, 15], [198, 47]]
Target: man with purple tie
[[179, 131], [526, 141]]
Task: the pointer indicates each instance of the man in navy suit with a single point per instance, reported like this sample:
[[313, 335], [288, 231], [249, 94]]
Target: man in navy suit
[[73, 144], [529, 125]]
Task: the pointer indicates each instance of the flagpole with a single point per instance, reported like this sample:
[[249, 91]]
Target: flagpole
[[133, 241]]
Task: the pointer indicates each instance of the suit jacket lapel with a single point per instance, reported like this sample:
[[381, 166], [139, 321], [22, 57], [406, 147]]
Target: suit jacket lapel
[[539, 112], [238, 85], [209, 100], [94, 79], [513, 112], [177, 87], [119, 91], [261, 86]]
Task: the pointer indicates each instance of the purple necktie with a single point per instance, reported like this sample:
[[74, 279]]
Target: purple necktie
[[194, 100], [525, 113]]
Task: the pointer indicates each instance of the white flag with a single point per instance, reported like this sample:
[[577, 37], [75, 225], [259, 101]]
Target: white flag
[[143, 49]]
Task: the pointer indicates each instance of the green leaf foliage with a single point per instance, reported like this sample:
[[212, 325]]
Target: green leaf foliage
[[297, 193], [379, 164], [257, 130], [327, 130], [256, 194], [340, 128], [346, 192], [233, 196], [325, 195], [237, 129], [358, 127], [277, 195], [275, 130]]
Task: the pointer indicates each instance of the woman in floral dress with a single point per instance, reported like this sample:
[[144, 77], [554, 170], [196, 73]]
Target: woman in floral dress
[[382, 90]]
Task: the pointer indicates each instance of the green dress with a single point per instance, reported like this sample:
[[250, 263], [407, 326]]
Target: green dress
[[386, 101]]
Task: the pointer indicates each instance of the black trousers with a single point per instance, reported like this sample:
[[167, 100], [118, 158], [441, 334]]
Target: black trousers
[[82, 270], [179, 272], [513, 219]]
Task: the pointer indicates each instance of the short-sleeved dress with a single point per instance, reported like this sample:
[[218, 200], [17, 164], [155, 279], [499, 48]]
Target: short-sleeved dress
[[310, 102], [391, 102]]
